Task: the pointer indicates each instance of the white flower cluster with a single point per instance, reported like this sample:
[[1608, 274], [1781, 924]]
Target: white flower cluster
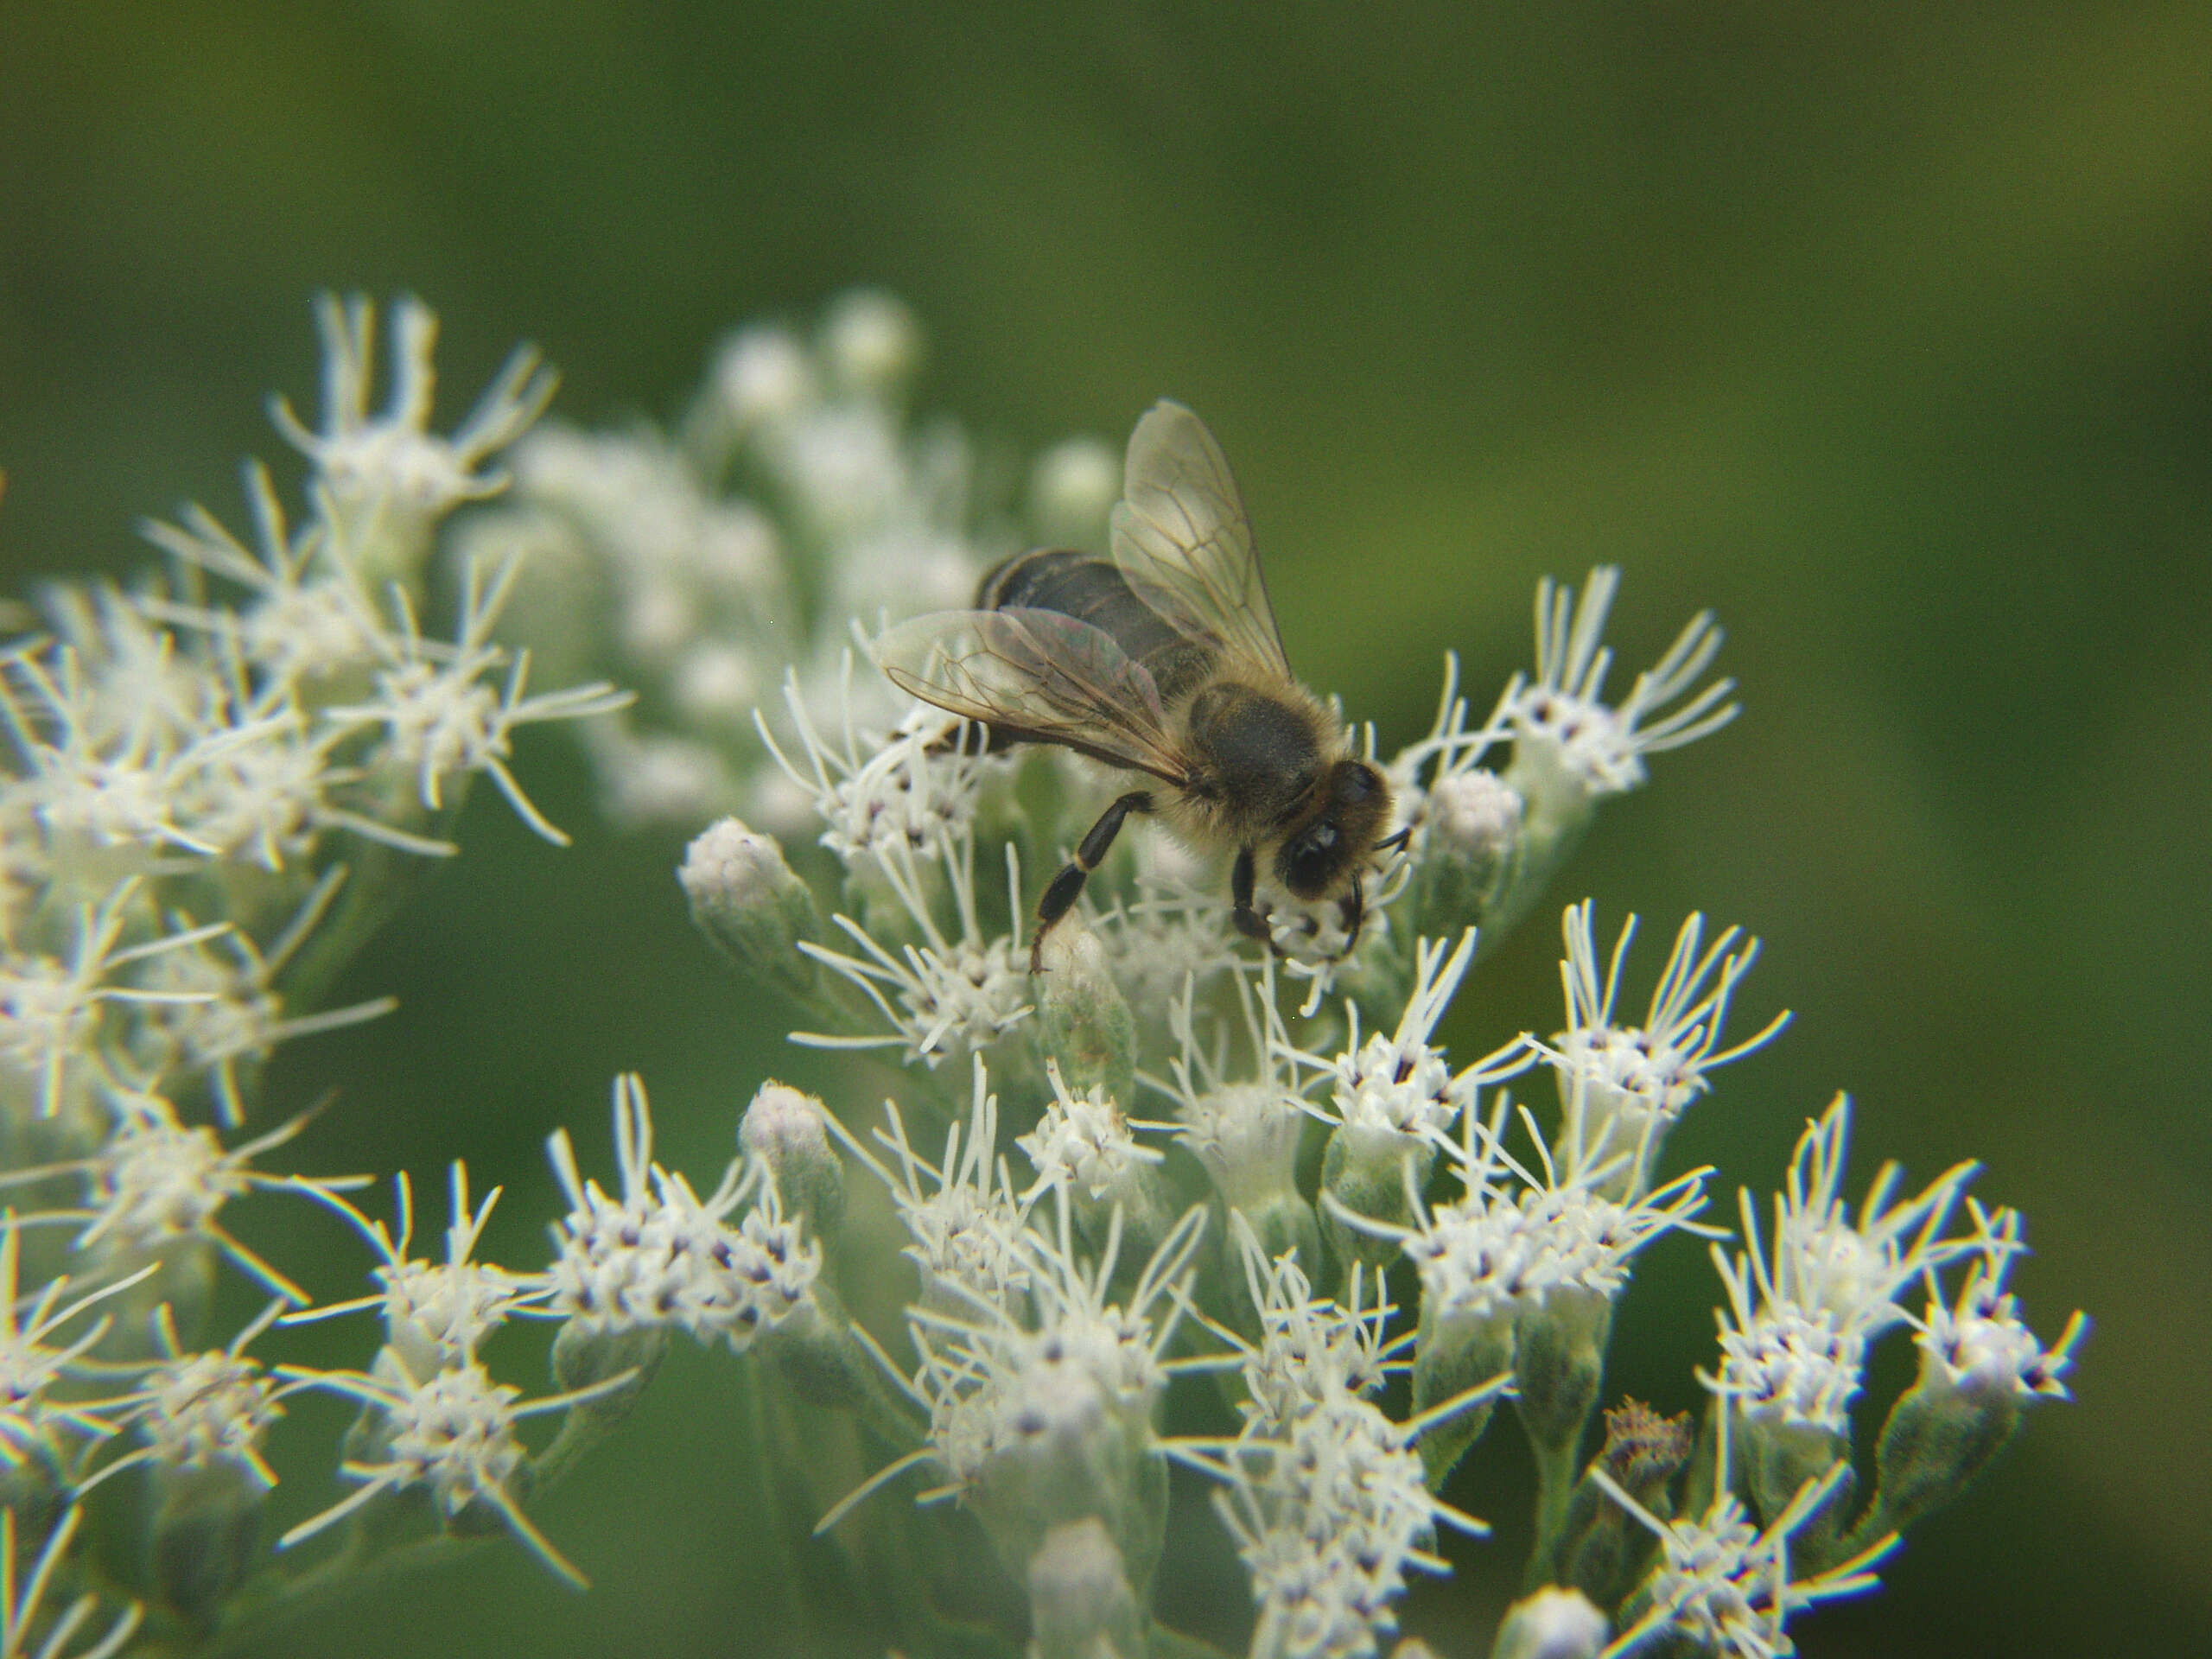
[[223, 778], [661, 1256], [732, 556]]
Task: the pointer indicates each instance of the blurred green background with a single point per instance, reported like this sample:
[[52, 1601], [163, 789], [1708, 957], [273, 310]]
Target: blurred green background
[[1886, 330]]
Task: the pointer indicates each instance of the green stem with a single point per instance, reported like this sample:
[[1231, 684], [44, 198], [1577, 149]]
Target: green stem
[[1555, 1477]]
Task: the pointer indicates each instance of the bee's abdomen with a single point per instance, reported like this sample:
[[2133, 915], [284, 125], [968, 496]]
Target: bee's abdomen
[[1091, 590]]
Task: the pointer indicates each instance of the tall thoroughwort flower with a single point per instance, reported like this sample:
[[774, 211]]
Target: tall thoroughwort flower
[[1159, 1271]]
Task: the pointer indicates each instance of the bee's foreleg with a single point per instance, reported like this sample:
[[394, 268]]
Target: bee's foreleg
[[1249, 922], [1064, 889]]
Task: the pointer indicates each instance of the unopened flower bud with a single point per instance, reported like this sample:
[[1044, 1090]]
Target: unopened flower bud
[[1080, 1604], [1553, 1624], [1083, 1022], [1936, 1440], [1602, 1547], [784, 1129], [762, 374], [747, 899], [1470, 854], [1780, 1457]]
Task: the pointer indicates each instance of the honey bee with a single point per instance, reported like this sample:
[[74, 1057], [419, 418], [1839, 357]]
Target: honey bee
[[1165, 661]]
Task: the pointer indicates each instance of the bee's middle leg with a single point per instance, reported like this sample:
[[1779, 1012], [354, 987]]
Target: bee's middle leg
[[1242, 880], [1061, 893]]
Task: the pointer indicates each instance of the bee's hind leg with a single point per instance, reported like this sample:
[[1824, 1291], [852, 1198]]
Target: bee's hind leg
[[1064, 889]]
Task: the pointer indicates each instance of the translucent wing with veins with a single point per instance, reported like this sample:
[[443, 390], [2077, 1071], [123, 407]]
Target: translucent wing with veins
[[1183, 544], [1037, 676]]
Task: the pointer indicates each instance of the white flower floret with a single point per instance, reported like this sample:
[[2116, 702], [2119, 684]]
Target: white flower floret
[[761, 373], [1517, 1237], [158, 1182], [1160, 942], [1725, 1586], [1312, 1349], [1084, 1142], [202, 1411], [388, 473], [434, 1313], [941, 995], [1451, 753], [1978, 1344], [452, 1432], [436, 719], [1018, 1395], [95, 769], [871, 343], [223, 1013], [1395, 1088], [1793, 1336], [914, 789], [51, 1011], [1623, 1087], [1324, 1494], [31, 1363], [309, 618], [1565, 738], [961, 1212], [1242, 1121]]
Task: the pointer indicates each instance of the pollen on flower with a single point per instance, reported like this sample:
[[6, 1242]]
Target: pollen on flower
[[1084, 1143]]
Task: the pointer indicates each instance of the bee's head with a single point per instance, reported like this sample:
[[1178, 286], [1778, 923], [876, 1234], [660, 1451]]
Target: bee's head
[[1332, 847]]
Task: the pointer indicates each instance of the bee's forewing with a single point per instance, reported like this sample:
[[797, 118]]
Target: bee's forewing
[[1183, 544], [1038, 675]]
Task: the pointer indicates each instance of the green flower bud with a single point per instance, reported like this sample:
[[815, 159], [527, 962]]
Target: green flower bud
[[1372, 1173], [1778, 1459], [1453, 1353], [747, 900], [585, 1353], [1084, 1023], [1471, 854], [201, 1541], [1937, 1440], [784, 1128], [1559, 1361]]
